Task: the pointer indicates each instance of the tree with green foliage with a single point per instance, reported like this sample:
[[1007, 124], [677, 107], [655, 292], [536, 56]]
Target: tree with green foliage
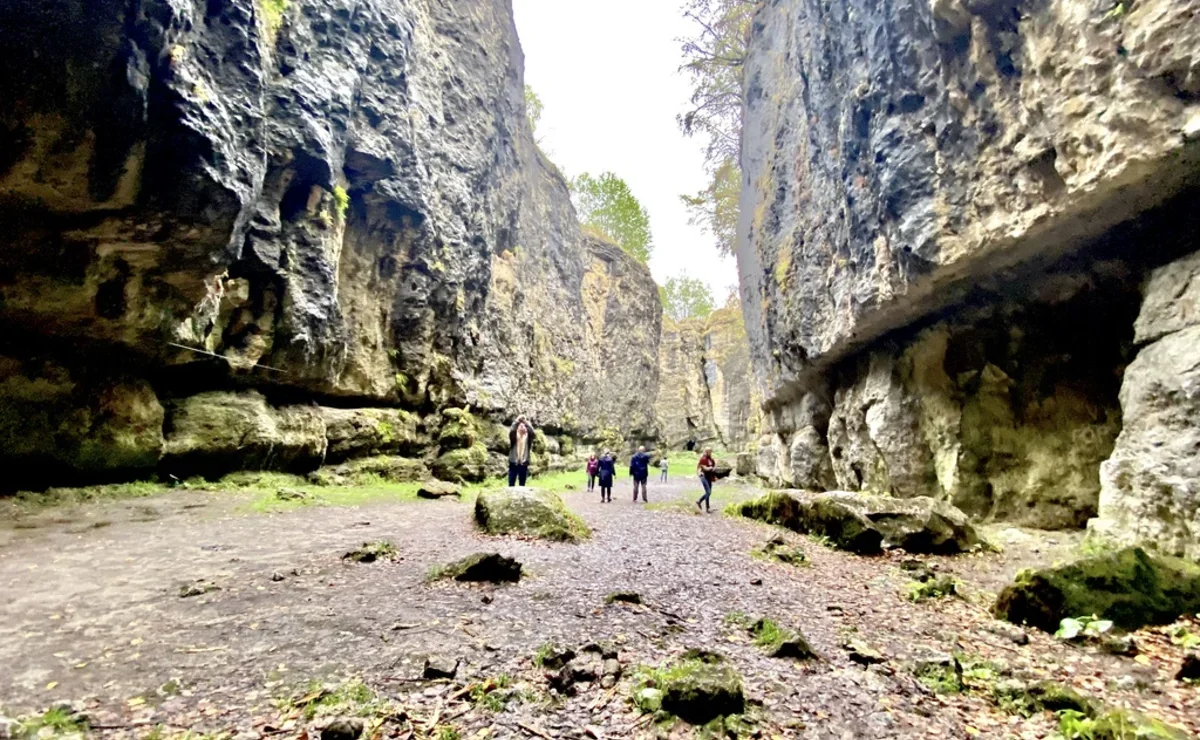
[[714, 59], [533, 109], [715, 209], [606, 204], [686, 298]]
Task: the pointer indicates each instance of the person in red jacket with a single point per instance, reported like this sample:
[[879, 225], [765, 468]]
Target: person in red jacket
[[593, 467], [707, 467]]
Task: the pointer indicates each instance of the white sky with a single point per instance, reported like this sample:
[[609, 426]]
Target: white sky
[[607, 72]]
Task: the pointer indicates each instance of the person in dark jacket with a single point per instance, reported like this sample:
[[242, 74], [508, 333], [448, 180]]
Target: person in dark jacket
[[520, 451], [607, 470], [639, 470], [593, 467]]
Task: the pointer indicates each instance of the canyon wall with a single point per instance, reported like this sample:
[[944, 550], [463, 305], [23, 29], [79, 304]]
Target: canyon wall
[[960, 219], [705, 395], [251, 232]]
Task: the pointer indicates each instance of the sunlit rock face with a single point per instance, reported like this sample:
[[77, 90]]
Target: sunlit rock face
[[949, 213], [338, 201]]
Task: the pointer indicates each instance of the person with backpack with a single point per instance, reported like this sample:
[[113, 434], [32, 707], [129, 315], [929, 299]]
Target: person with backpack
[[707, 468], [662, 465], [593, 467], [639, 470], [606, 468]]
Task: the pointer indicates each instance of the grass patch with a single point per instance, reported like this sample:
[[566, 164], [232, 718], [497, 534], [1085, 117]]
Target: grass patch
[[768, 634], [51, 723], [33, 501], [352, 698], [934, 588], [265, 488], [273, 11]]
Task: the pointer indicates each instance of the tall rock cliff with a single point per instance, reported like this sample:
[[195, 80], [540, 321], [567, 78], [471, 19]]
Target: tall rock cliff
[[950, 210], [704, 394], [336, 201]]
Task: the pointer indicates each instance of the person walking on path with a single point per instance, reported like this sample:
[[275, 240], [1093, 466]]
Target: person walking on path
[[707, 468], [593, 467], [662, 464], [520, 449], [606, 468], [639, 470]]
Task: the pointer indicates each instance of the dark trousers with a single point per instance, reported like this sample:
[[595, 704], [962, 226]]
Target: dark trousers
[[606, 483], [517, 472], [639, 482]]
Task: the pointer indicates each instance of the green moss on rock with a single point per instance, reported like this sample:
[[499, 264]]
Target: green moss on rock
[[460, 430], [846, 527], [528, 512], [466, 465], [481, 568], [698, 688], [1129, 587]]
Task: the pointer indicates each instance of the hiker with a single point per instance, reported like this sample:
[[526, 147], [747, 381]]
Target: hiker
[[639, 470], [707, 468], [662, 465], [520, 448], [593, 466], [606, 468]]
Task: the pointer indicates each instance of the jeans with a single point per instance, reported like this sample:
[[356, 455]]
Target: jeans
[[663, 477], [591, 481], [517, 472], [704, 481]]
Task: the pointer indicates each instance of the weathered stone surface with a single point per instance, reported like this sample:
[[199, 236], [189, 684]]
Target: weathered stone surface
[[863, 523], [890, 157], [528, 512], [435, 489], [60, 424], [364, 470], [465, 465], [483, 568], [215, 433], [684, 405], [702, 687], [1129, 587], [328, 203], [342, 729], [368, 432], [735, 411], [1150, 486], [441, 666]]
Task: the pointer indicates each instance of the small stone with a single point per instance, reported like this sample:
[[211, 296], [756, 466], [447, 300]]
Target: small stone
[[1126, 683], [756, 582], [863, 654], [482, 567], [440, 666], [1120, 645], [1190, 669], [625, 597], [487, 598], [291, 494], [277, 576], [554, 657], [607, 682], [342, 729], [198, 588], [436, 489], [612, 667], [649, 700]]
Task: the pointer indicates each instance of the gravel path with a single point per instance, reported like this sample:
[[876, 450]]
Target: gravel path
[[92, 612]]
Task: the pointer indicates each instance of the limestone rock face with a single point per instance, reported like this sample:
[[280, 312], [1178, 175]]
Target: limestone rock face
[[365, 432], [894, 153], [705, 394], [219, 432], [1150, 487], [343, 200]]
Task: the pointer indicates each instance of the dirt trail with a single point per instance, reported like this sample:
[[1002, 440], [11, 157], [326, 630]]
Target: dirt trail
[[92, 611]]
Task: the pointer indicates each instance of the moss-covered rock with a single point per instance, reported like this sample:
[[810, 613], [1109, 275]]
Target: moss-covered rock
[[1129, 587], [481, 567], [354, 433], [459, 430], [464, 465], [215, 433], [865, 524], [777, 548], [528, 512], [700, 688], [367, 470], [436, 489]]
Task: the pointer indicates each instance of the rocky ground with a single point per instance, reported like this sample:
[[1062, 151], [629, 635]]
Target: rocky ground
[[95, 614]]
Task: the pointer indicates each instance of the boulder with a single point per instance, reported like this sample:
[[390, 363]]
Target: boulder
[[782, 642], [463, 465], [366, 470], [435, 489], [528, 512], [1189, 670], [215, 433], [723, 469], [353, 433], [1129, 587], [481, 567], [459, 429], [864, 524], [701, 687], [745, 464]]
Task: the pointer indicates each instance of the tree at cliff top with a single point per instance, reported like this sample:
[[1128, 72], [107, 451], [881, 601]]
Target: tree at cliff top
[[534, 109], [714, 59], [686, 298], [606, 205]]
